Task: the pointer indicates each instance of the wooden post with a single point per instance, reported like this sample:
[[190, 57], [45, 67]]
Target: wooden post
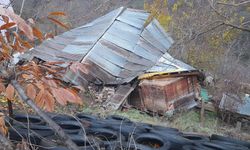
[[238, 126], [202, 117]]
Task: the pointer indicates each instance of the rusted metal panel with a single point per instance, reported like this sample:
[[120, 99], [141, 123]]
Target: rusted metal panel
[[117, 44], [103, 75], [126, 54], [163, 95], [235, 104], [149, 47], [133, 18]]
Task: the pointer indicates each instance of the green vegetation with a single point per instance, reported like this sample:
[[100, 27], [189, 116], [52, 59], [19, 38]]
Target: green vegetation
[[190, 122], [186, 121]]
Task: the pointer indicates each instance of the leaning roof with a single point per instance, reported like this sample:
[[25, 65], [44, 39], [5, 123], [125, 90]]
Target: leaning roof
[[117, 46], [114, 49]]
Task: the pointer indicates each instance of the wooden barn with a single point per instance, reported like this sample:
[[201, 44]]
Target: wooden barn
[[117, 49]]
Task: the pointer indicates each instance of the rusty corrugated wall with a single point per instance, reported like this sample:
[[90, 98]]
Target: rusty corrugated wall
[[166, 94]]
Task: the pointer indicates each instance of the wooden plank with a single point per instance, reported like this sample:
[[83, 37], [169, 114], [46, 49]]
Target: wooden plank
[[207, 106], [120, 96]]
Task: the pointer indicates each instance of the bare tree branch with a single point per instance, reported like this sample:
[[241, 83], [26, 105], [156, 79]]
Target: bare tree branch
[[215, 10], [237, 27], [70, 144], [225, 22], [5, 142], [234, 4]]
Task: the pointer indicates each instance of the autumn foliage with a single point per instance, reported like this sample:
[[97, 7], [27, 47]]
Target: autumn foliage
[[42, 80]]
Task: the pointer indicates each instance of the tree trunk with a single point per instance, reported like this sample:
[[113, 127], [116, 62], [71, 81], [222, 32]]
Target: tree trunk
[[5, 143], [63, 136]]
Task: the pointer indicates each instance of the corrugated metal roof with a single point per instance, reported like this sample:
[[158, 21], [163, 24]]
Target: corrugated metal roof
[[169, 64], [117, 46], [236, 104]]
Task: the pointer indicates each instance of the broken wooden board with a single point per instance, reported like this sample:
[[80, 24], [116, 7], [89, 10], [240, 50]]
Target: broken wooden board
[[207, 106], [119, 97]]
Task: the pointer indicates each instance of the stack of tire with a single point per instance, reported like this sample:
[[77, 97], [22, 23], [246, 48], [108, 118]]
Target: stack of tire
[[113, 133]]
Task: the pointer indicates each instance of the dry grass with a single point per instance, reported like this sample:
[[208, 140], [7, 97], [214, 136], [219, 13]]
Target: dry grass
[[188, 121]]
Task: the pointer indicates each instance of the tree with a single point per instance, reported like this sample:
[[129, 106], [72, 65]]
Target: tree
[[211, 35], [37, 83]]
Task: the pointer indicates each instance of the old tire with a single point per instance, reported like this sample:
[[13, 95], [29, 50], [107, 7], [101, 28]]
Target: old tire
[[41, 130], [228, 139], [17, 134], [108, 137], [152, 141], [70, 127], [195, 137], [195, 147], [230, 145], [24, 119]]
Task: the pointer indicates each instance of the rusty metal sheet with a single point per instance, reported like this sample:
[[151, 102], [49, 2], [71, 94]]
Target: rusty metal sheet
[[77, 41], [104, 64], [117, 44], [126, 27], [133, 18], [155, 29], [168, 94], [149, 47], [143, 53], [76, 49], [148, 36], [126, 54], [160, 28], [140, 14], [116, 59], [101, 74], [61, 40], [236, 104], [124, 35]]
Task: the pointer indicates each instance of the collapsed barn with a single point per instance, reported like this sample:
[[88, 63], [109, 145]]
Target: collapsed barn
[[120, 50], [125, 54]]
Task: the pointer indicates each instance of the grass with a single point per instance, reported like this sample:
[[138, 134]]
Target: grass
[[188, 121]]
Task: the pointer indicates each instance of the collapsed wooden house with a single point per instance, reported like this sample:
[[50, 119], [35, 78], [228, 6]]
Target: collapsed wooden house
[[117, 48]]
